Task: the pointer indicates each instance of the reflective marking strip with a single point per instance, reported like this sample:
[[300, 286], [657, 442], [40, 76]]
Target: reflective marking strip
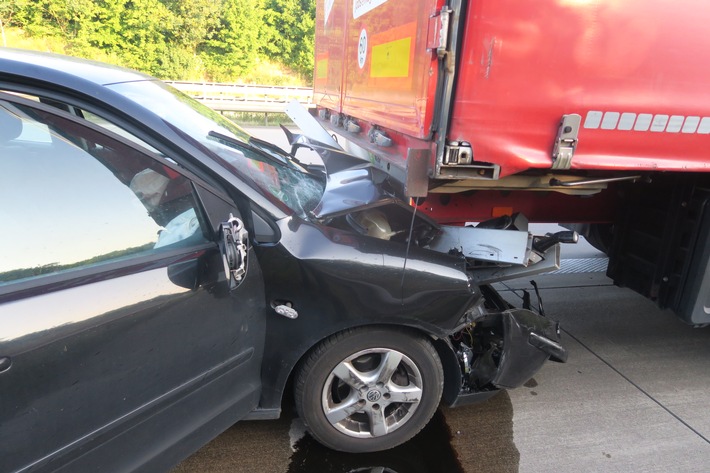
[[627, 121], [659, 123], [691, 125], [610, 120], [391, 59], [593, 120], [675, 124], [643, 122]]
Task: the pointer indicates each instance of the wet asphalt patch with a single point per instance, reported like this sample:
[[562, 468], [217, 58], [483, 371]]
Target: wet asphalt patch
[[482, 435], [430, 451], [466, 439]]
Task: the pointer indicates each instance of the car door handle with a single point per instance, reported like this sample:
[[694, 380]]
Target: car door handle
[[5, 363]]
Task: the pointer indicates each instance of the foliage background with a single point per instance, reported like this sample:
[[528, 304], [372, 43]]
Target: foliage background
[[258, 41]]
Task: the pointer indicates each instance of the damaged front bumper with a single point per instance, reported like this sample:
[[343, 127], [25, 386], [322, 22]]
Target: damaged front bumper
[[530, 340], [503, 351]]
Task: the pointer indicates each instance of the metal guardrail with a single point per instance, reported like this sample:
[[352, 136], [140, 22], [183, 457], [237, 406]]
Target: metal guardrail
[[245, 98]]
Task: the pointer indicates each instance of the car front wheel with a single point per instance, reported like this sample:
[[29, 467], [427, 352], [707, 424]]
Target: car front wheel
[[369, 389]]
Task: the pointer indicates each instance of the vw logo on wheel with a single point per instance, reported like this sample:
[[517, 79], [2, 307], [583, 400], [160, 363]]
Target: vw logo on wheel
[[374, 395]]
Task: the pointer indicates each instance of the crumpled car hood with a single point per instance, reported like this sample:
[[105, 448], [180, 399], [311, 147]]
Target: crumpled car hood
[[352, 189], [353, 184]]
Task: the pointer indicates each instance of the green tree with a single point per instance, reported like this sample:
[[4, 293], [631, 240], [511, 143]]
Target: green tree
[[7, 12], [194, 20], [288, 31], [174, 38], [232, 44], [144, 24], [136, 32]]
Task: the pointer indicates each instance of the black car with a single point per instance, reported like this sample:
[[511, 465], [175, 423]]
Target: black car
[[163, 275]]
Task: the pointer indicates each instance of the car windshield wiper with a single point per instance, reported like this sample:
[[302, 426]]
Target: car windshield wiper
[[273, 149], [266, 146], [241, 146]]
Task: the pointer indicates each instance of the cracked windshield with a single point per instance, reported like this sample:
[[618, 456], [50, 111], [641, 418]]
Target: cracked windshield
[[264, 166]]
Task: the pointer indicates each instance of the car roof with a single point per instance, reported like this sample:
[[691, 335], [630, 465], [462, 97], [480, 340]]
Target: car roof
[[61, 69]]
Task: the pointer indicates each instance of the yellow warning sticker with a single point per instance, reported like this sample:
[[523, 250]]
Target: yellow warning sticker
[[322, 69], [391, 59]]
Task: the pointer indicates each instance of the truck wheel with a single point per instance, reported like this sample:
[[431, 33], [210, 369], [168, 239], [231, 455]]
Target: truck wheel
[[369, 389], [600, 236]]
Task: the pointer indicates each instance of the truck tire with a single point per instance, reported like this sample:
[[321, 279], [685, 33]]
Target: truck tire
[[600, 236], [369, 389]]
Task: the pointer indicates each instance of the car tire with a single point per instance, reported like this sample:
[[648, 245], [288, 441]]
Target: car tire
[[369, 389]]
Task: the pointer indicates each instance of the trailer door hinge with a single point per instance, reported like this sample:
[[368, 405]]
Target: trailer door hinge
[[566, 141], [443, 46], [458, 152], [438, 38]]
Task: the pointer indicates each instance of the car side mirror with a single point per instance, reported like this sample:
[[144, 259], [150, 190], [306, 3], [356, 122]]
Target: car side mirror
[[233, 244]]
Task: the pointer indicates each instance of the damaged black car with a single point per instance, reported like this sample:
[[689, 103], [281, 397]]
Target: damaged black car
[[163, 275]]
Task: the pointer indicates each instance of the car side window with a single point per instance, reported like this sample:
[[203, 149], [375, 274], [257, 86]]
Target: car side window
[[73, 197], [102, 122]]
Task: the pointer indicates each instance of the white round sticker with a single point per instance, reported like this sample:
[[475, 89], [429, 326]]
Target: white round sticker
[[362, 49]]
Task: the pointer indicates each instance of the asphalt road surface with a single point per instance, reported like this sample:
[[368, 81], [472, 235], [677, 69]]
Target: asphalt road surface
[[633, 397]]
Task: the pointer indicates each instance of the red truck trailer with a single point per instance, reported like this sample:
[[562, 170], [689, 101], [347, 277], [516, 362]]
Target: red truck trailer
[[592, 113]]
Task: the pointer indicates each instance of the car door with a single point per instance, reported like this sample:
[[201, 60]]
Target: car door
[[124, 342]]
